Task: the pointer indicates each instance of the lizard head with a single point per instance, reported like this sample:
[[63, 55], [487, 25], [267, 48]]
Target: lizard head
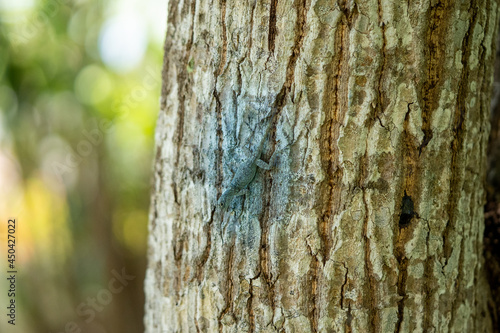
[[223, 201]]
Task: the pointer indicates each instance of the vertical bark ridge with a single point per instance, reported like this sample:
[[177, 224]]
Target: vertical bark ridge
[[371, 298], [460, 151], [311, 286], [380, 91], [218, 111], [173, 19], [251, 314], [223, 52], [203, 258], [326, 193], [251, 26], [228, 297], [459, 129], [401, 287], [335, 104], [437, 31], [184, 83], [300, 32], [429, 287], [265, 264], [189, 43], [216, 96], [403, 234], [370, 295], [457, 160]]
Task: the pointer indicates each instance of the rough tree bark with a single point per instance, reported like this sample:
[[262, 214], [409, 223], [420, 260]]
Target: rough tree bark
[[373, 219]]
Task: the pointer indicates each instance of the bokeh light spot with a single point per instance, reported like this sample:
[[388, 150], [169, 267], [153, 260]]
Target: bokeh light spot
[[123, 42], [92, 85]]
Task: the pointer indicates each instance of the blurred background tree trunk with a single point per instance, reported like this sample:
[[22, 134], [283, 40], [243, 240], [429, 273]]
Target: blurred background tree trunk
[[492, 208], [373, 219], [75, 119]]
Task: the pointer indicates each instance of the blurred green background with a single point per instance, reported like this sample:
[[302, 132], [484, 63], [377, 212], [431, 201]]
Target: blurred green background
[[79, 96]]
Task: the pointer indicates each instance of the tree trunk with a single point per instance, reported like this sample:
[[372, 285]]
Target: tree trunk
[[372, 220]]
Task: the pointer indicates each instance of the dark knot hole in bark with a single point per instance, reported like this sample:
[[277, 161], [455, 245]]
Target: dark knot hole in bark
[[407, 211]]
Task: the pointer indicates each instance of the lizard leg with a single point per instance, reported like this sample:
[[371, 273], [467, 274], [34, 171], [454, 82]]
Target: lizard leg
[[263, 165], [273, 161], [241, 192]]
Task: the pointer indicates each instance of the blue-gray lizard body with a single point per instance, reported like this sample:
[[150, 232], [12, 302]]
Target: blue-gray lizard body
[[246, 171]]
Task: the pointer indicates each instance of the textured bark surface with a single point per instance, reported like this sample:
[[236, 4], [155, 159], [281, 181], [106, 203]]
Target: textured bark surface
[[373, 219]]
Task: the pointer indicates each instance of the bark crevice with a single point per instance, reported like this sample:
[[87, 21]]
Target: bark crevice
[[272, 26], [251, 314], [301, 9], [228, 297], [223, 53], [458, 160], [313, 287], [401, 286], [206, 251], [380, 89], [371, 295], [437, 32], [329, 192]]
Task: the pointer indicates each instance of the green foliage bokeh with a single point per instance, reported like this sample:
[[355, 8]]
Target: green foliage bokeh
[[76, 148]]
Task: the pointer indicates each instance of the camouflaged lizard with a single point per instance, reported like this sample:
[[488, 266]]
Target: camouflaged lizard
[[247, 170]]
